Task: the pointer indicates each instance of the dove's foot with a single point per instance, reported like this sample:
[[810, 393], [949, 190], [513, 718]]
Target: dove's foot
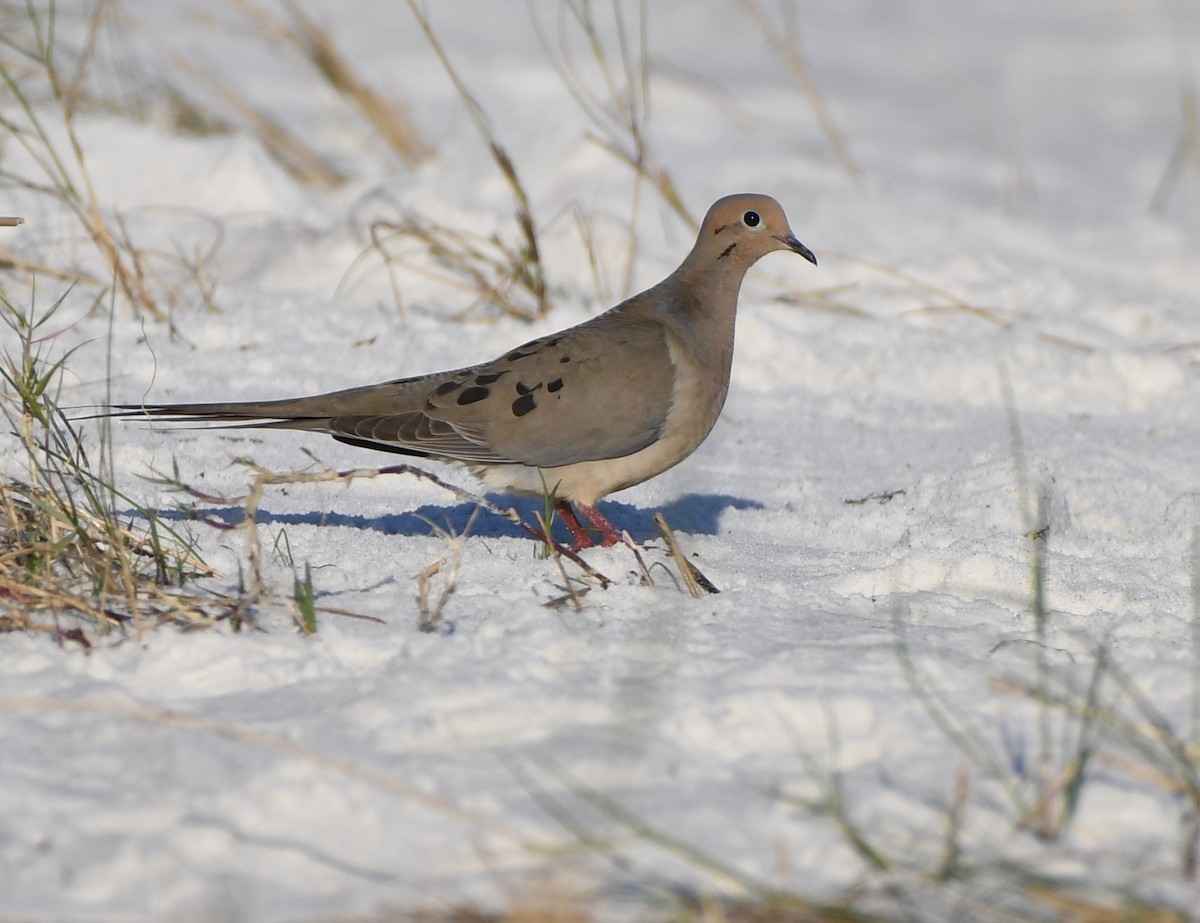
[[582, 534]]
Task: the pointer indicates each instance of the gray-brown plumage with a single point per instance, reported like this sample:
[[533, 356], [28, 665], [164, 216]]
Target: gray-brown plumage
[[587, 411]]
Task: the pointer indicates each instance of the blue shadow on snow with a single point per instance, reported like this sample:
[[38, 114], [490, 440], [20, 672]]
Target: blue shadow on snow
[[698, 514]]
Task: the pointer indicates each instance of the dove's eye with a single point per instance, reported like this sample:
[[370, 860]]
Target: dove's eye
[[751, 219]]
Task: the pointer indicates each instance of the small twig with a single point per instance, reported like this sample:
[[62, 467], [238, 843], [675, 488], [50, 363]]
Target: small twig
[[484, 267], [554, 553], [696, 582], [429, 617], [647, 580], [10, 260], [883, 496], [265, 477], [512, 516]]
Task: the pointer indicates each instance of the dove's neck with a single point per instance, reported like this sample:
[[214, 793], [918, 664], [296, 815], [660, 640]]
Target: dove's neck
[[698, 305], [706, 293]]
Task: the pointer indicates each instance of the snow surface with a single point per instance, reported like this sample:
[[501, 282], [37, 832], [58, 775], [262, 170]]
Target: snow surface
[[1011, 153]]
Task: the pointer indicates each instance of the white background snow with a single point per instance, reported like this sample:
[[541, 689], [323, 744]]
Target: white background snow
[[1011, 153]]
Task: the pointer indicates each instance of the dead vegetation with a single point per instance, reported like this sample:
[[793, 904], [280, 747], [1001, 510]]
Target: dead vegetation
[[48, 92], [81, 561], [77, 557]]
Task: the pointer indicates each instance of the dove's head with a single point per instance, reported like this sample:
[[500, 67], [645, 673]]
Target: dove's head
[[748, 226]]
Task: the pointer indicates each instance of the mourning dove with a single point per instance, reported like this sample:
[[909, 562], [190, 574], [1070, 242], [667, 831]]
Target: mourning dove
[[584, 412]]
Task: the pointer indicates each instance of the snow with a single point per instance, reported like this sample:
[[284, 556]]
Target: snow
[[862, 487]]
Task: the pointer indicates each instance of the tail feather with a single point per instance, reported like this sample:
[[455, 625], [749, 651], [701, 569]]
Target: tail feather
[[293, 413], [249, 414], [389, 417]]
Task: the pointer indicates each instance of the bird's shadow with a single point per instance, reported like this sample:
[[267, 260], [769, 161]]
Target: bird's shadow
[[698, 514]]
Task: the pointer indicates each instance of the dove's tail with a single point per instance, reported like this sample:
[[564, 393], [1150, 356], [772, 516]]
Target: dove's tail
[[388, 417], [294, 413], [309, 413]]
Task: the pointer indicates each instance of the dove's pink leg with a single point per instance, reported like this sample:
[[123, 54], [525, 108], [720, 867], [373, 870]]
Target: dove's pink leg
[[581, 534]]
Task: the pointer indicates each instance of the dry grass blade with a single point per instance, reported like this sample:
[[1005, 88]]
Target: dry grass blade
[[643, 570], [695, 581], [68, 177], [643, 163], [483, 267], [431, 615], [395, 126], [1139, 733], [585, 223], [63, 549], [822, 299], [264, 477], [619, 110], [36, 269], [745, 885], [1004, 318], [530, 260], [300, 161], [786, 43], [954, 302], [1185, 157], [555, 550], [1077, 909], [7, 221]]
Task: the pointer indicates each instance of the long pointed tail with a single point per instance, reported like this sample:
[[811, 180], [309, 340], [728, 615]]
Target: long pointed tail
[[313, 412], [301, 413]]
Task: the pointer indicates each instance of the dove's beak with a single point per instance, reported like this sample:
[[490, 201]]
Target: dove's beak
[[792, 244]]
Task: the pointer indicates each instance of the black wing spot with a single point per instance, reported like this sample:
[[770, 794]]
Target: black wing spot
[[490, 378], [471, 395], [523, 388], [446, 387], [519, 354], [523, 405], [555, 385], [728, 250]]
